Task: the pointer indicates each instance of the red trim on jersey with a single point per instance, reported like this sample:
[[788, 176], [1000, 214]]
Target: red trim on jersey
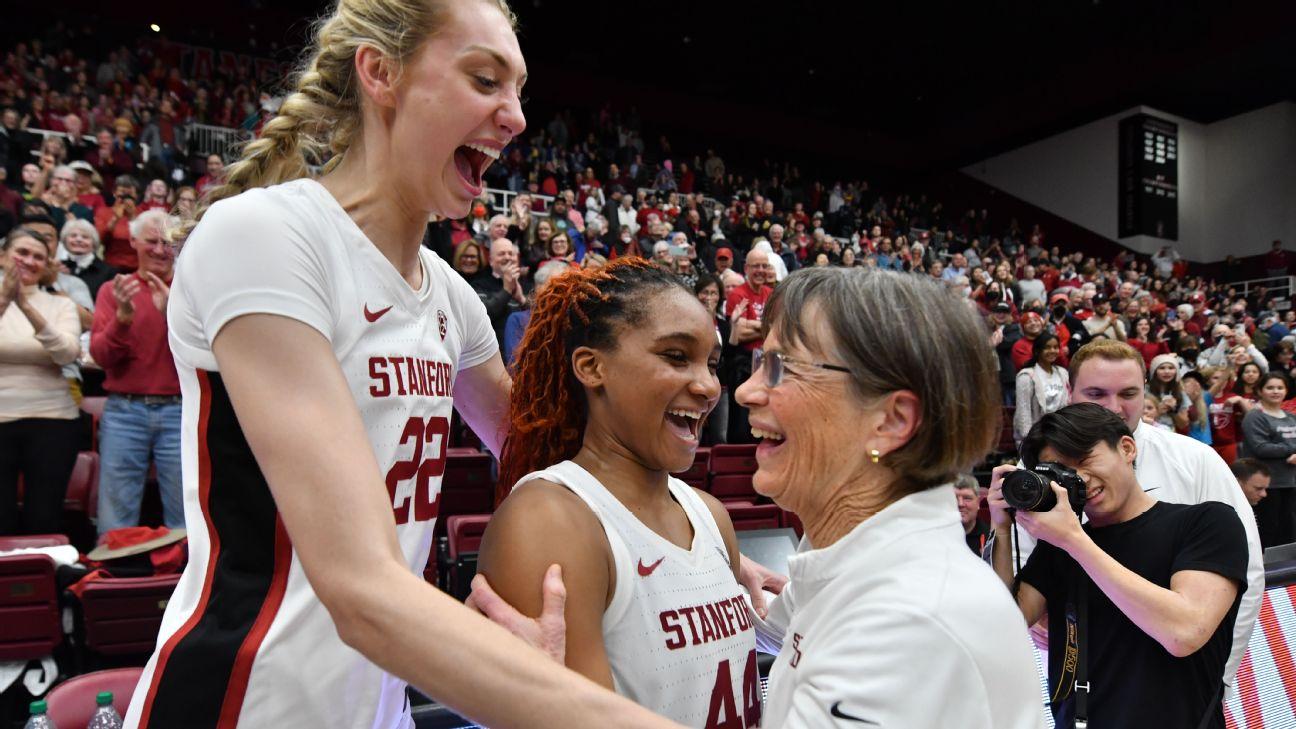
[[1282, 658], [239, 676], [204, 495]]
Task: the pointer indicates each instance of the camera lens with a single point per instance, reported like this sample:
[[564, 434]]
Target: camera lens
[[1028, 491]]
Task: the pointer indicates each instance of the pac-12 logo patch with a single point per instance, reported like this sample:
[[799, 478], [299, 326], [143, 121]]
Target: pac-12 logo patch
[[441, 323]]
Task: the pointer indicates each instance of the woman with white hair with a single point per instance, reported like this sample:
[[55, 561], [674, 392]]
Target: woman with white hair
[[78, 251]]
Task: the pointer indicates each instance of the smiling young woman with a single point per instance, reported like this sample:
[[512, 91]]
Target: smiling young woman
[[320, 350], [614, 377]]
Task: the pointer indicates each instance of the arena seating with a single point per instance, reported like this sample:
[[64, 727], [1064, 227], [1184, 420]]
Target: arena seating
[[121, 616], [730, 470], [468, 484], [30, 623], [754, 516], [72, 703], [463, 540]]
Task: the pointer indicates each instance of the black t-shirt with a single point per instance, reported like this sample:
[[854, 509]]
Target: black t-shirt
[[976, 539], [1135, 681]]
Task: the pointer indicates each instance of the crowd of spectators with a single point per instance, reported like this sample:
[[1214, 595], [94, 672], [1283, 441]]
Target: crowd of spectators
[[581, 192], [129, 112]]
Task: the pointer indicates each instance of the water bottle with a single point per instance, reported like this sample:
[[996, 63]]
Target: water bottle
[[105, 717], [38, 718]]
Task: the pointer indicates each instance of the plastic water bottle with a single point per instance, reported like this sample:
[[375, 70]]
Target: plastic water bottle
[[105, 717], [38, 718]]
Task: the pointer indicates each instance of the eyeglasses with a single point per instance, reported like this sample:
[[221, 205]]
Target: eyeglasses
[[773, 363]]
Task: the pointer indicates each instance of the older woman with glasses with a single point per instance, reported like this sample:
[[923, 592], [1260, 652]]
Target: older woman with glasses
[[62, 196], [863, 427], [186, 202]]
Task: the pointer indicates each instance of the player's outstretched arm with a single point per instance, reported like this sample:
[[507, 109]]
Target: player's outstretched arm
[[315, 454]]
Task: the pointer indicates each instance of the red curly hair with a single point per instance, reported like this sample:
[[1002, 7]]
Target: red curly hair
[[577, 308]]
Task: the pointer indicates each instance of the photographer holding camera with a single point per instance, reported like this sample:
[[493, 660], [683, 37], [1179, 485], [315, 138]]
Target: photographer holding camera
[[1141, 600]]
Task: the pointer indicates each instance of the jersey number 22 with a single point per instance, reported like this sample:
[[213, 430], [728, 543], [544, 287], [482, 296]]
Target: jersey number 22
[[433, 432]]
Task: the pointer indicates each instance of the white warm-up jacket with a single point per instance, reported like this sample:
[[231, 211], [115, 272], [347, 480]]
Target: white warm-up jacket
[[900, 625]]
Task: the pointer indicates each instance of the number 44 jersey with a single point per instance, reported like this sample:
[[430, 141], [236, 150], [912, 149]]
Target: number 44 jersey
[[677, 631], [245, 641]]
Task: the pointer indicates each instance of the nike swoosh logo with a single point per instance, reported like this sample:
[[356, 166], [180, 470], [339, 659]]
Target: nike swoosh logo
[[374, 316], [648, 570], [1154, 488], [837, 712]]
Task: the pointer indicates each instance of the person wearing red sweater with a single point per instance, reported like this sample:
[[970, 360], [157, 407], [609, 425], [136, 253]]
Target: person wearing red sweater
[[745, 306], [114, 224], [142, 416], [1032, 326]]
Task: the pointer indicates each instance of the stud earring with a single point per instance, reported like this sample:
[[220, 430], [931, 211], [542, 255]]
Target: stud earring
[[875, 455]]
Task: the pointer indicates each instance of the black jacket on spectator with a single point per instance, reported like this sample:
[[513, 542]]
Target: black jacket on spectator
[[790, 259], [437, 238], [609, 213], [499, 303], [95, 275], [1079, 334], [1007, 371]]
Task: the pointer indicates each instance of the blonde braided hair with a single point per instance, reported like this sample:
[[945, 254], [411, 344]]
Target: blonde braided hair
[[321, 117]]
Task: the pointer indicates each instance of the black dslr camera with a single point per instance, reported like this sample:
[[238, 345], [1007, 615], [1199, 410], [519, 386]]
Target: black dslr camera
[[1028, 490]]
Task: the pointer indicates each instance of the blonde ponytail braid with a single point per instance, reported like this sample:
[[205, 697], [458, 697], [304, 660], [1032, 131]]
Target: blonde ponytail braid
[[320, 119]]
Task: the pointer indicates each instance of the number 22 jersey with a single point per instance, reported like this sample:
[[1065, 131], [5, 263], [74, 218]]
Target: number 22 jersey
[[245, 642]]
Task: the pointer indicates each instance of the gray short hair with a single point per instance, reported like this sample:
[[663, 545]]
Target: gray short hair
[[969, 482], [896, 332], [548, 270], [77, 224], [150, 218]]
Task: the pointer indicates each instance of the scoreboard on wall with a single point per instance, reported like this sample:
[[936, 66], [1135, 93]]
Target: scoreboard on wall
[[1149, 177]]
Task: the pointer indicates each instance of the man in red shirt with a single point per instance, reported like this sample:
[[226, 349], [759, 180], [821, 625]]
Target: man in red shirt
[[142, 415], [746, 306]]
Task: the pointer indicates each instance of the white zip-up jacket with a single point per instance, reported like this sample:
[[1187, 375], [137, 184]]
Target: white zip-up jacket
[[898, 624]]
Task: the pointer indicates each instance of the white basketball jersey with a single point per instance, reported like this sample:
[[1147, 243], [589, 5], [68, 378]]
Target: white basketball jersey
[[245, 641], [676, 633]]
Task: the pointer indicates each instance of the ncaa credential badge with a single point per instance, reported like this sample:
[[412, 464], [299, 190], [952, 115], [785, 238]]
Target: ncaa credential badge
[[441, 323]]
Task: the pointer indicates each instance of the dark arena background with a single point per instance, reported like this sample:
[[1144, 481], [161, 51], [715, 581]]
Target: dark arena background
[[1133, 163]]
